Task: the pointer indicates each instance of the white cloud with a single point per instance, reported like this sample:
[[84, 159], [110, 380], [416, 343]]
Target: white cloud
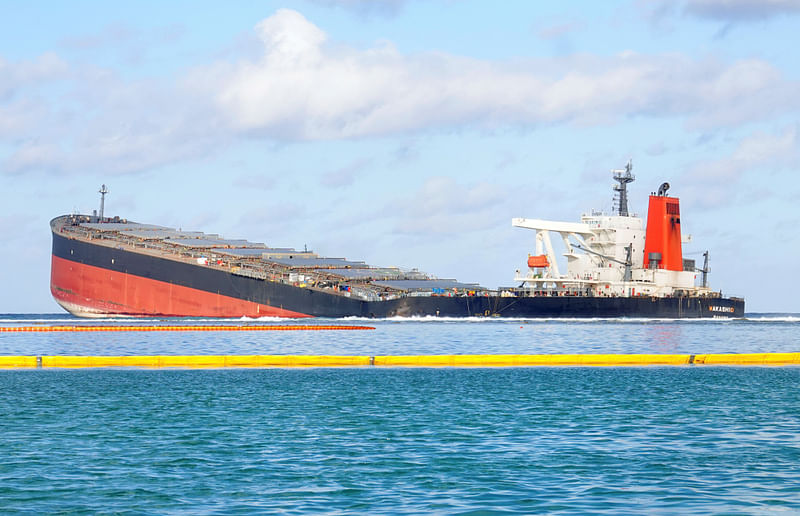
[[110, 36], [560, 30], [346, 175], [33, 155], [728, 12], [67, 118], [753, 153], [290, 40], [741, 10], [91, 120], [21, 117], [125, 43], [14, 77], [255, 182], [366, 7], [444, 206], [305, 88], [272, 221], [714, 181]]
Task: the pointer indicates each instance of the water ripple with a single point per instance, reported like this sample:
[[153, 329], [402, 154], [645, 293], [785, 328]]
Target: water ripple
[[461, 441]]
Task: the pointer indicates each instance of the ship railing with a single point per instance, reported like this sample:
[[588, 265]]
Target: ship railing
[[250, 273], [549, 292], [78, 232], [419, 293], [365, 295]]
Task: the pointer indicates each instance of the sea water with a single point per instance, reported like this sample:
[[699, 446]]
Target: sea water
[[693, 439]]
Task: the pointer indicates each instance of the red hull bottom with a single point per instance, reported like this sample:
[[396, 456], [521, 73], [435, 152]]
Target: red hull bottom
[[90, 291]]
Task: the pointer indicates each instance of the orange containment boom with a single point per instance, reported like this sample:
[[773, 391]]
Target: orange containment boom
[[662, 243], [538, 261], [86, 327]]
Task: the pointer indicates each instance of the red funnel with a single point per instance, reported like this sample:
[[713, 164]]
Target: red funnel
[[662, 245]]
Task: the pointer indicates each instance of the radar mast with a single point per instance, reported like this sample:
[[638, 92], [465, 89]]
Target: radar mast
[[103, 191], [623, 177]]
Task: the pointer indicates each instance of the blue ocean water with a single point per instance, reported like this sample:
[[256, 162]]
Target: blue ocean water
[[394, 440], [417, 336]]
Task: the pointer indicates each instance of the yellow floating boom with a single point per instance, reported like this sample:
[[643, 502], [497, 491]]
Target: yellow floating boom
[[264, 361], [529, 360]]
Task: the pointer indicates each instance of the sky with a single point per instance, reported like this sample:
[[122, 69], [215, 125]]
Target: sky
[[404, 133]]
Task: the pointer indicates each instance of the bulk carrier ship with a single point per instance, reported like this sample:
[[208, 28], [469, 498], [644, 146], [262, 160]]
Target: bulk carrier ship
[[615, 267]]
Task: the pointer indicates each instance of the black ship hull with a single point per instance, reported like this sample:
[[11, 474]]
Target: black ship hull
[[100, 279]]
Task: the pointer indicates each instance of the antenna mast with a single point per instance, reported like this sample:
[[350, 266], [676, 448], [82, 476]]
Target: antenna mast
[[623, 177], [705, 269], [103, 191]]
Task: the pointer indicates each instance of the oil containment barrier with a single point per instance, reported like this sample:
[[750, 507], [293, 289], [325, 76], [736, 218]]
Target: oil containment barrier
[[181, 327], [277, 361]]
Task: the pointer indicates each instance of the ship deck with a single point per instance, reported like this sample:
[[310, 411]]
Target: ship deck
[[285, 265]]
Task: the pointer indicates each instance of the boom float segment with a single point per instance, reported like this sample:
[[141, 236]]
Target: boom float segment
[[748, 359], [206, 361], [14, 362], [529, 360], [275, 361]]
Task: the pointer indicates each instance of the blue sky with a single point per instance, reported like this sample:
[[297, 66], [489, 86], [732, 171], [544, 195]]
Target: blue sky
[[403, 132]]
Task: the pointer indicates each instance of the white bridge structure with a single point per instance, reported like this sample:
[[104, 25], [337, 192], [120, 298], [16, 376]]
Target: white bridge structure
[[605, 254]]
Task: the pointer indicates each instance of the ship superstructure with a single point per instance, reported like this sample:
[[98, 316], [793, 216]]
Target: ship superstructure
[[616, 254]]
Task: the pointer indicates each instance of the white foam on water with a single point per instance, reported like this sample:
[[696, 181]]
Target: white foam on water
[[264, 319], [532, 320], [773, 318], [62, 321], [36, 319]]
